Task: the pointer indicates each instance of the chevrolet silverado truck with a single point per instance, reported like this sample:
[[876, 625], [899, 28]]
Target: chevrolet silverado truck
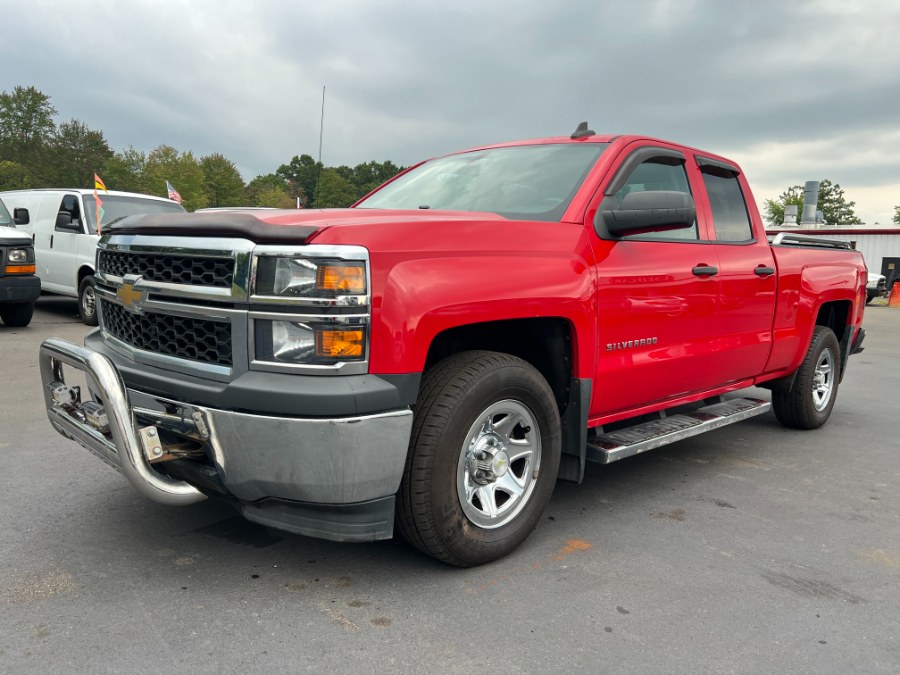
[[437, 356]]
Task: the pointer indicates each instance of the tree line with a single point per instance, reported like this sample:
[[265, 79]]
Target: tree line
[[36, 151]]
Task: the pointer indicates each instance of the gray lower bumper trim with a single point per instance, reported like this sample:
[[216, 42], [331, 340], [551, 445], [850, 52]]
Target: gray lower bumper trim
[[369, 521]]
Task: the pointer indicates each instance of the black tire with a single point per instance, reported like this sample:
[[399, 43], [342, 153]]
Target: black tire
[[808, 403], [18, 315], [455, 447], [87, 301]]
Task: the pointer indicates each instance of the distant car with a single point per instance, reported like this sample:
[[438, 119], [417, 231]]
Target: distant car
[[876, 288]]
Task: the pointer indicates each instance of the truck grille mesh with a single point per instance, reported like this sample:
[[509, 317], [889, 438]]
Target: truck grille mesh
[[201, 340], [174, 269]]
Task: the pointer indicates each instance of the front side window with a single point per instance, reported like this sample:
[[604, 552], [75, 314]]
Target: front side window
[[69, 205], [115, 207], [657, 175], [729, 210], [5, 219], [526, 182]]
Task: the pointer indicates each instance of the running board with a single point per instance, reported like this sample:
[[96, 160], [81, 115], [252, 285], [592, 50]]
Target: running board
[[623, 443]]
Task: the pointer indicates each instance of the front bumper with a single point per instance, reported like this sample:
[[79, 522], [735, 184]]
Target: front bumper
[[17, 290], [304, 475]]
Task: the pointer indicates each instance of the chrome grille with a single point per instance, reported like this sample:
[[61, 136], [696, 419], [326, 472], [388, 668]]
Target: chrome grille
[[167, 268], [201, 340]]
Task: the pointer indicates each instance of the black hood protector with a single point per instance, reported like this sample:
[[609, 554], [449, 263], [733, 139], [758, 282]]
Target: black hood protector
[[225, 224]]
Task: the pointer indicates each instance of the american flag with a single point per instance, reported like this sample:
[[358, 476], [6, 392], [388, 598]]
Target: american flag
[[173, 193]]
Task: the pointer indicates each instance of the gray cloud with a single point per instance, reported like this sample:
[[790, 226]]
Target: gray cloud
[[408, 80]]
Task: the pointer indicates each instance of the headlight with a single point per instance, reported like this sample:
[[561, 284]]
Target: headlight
[[310, 277], [300, 343], [20, 261], [17, 256], [310, 309]]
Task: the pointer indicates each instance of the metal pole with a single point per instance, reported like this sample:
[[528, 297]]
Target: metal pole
[[321, 125]]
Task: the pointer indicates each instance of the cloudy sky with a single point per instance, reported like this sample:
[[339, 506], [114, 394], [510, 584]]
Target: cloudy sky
[[793, 91]]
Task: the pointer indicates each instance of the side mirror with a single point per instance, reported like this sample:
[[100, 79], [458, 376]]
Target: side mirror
[[20, 216], [650, 211], [64, 222]]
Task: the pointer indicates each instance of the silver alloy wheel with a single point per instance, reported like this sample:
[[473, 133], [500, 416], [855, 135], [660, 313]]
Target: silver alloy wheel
[[89, 301], [499, 464], [823, 380]]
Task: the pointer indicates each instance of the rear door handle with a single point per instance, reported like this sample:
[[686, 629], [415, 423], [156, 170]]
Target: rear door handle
[[763, 271], [705, 270]]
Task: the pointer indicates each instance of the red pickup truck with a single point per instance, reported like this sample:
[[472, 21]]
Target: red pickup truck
[[440, 354]]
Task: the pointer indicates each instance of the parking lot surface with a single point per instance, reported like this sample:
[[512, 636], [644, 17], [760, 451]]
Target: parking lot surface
[[750, 549]]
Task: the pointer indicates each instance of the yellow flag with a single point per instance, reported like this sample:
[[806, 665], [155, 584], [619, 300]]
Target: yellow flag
[[99, 184]]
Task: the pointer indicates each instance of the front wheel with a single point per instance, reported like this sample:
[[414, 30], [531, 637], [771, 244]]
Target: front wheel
[[808, 403], [483, 459], [18, 315], [87, 301]]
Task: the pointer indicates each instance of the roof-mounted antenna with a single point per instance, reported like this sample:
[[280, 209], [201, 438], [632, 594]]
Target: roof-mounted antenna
[[582, 131]]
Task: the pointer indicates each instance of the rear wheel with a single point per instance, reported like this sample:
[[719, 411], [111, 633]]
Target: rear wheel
[[808, 403], [18, 315], [484, 455], [87, 301]]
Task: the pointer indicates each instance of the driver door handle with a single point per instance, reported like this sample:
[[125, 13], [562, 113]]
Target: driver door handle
[[705, 271]]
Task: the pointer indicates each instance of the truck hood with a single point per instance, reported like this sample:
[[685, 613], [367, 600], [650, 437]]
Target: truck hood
[[12, 237], [293, 226]]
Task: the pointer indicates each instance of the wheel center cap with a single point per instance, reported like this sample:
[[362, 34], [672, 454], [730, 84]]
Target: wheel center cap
[[500, 464]]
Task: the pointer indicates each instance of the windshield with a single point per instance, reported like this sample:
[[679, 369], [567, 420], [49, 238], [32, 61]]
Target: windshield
[[526, 182], [5, 219], [117, 207]]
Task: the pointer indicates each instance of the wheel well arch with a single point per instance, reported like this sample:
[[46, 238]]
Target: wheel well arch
[[83, 271], [836, 315], [544, 342]]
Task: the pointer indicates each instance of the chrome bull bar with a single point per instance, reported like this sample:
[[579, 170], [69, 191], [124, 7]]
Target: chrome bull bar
[[115, 438]]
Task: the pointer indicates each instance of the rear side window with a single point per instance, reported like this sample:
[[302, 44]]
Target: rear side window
[[729, 210]]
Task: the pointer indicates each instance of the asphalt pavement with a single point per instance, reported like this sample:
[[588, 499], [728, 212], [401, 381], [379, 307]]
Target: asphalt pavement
[[751, 549]]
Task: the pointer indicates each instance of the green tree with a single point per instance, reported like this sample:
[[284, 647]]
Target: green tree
[[301, 177], [222, 181], [26, 128], [835, 209], [896, 217], [335, 191], [76, 154], [13, 176], [369, 175], [165, 163], [126, 171], [269, 190]]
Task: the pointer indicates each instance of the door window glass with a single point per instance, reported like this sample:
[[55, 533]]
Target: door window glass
[[656, 175]]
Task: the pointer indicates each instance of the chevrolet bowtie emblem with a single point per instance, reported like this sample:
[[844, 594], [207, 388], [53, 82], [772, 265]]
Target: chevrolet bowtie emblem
[[130, 297]]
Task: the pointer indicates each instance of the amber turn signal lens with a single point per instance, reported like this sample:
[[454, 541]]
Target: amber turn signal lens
[[21, 269], [341, 279], [347, 344]]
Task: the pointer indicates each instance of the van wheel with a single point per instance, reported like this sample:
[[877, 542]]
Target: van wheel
[[808, 403], [87, 301], [484, 455], [18, 315]]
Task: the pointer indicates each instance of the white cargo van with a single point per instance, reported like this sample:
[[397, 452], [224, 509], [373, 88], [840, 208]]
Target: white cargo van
[[63, 226]]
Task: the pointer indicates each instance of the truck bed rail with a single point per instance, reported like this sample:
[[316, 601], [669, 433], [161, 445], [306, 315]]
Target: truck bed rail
[[788, 239]]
